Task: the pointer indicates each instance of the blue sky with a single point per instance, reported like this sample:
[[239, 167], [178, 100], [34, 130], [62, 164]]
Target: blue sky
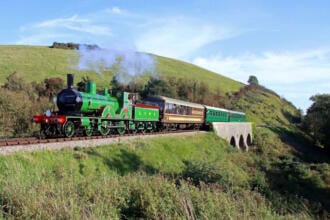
[[286, 44]]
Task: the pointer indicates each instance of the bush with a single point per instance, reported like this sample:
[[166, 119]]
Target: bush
[[19, 101], [16, 110], [227, 175], [253, 80], [73, 46]]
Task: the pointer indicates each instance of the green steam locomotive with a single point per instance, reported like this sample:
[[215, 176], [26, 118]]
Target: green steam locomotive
[[91, 113]]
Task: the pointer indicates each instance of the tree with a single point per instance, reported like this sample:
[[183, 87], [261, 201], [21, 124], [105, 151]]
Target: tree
[[157, 86], [253, 80], [81, 86], [116, 85], [317, 119], [15, 82], [53, 86]]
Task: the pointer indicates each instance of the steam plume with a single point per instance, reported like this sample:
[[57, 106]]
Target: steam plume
[[131, 64]]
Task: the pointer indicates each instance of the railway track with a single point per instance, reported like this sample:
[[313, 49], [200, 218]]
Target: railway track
[[34, 140]]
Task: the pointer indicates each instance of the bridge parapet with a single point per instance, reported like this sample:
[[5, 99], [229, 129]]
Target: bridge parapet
[[238, 134]]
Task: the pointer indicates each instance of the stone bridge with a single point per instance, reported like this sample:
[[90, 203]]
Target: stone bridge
[[238, 134]]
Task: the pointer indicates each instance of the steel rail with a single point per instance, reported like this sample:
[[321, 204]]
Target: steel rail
[[35, 140]]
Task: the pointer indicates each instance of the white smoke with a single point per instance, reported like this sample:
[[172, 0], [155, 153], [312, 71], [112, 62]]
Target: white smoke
[[131, 64]]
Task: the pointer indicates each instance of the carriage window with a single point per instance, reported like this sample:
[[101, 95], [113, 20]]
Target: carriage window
[[172, 108], [167, 108], [186, 109], [180, 110]]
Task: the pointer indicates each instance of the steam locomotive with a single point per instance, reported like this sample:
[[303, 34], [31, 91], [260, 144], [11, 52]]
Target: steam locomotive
[[99, 113]]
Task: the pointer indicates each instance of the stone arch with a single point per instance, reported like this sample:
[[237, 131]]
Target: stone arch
[[249, 140], [233, 141], [242, 144]]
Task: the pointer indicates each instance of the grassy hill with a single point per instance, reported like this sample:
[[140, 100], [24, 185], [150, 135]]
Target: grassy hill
[[162, 178], [37, 63], [285, 175]]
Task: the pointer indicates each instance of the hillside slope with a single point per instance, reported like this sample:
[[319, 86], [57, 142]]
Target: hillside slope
[[264, 106], [38, 63], [162, 178], [284, 174]]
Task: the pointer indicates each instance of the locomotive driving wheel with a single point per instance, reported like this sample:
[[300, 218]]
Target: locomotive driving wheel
[[68, 129], [88, 131], [122, 129], [104, 129]]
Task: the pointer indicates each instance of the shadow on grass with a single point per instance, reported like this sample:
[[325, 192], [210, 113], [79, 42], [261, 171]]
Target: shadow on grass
[[304, 147], [297, 181], [294, 182], [291, 117], [124, 162]]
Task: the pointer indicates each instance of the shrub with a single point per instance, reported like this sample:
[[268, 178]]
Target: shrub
[[16, 110], [224, 174]]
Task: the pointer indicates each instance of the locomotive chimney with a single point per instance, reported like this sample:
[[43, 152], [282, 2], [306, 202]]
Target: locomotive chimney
[[70, 80]]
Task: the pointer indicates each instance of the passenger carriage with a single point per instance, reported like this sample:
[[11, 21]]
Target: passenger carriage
[[177, 113]]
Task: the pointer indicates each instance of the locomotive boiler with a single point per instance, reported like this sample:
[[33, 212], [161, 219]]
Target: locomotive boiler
[[71, 101]]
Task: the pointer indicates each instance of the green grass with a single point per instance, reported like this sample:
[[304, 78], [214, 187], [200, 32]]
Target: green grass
[[264, 107], [175, 68], [200, 177], [284, 175], [296, 171], [37, 63]]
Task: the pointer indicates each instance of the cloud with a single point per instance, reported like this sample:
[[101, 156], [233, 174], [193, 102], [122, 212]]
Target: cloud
[[285, 68], [58, 22], [175, 36], [42, 39], [74, 23], [72, 29], [116, 11], [297, 74], [178, 37], [94, 27]]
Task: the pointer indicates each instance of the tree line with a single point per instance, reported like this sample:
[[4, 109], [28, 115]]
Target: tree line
[[317, 120]]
